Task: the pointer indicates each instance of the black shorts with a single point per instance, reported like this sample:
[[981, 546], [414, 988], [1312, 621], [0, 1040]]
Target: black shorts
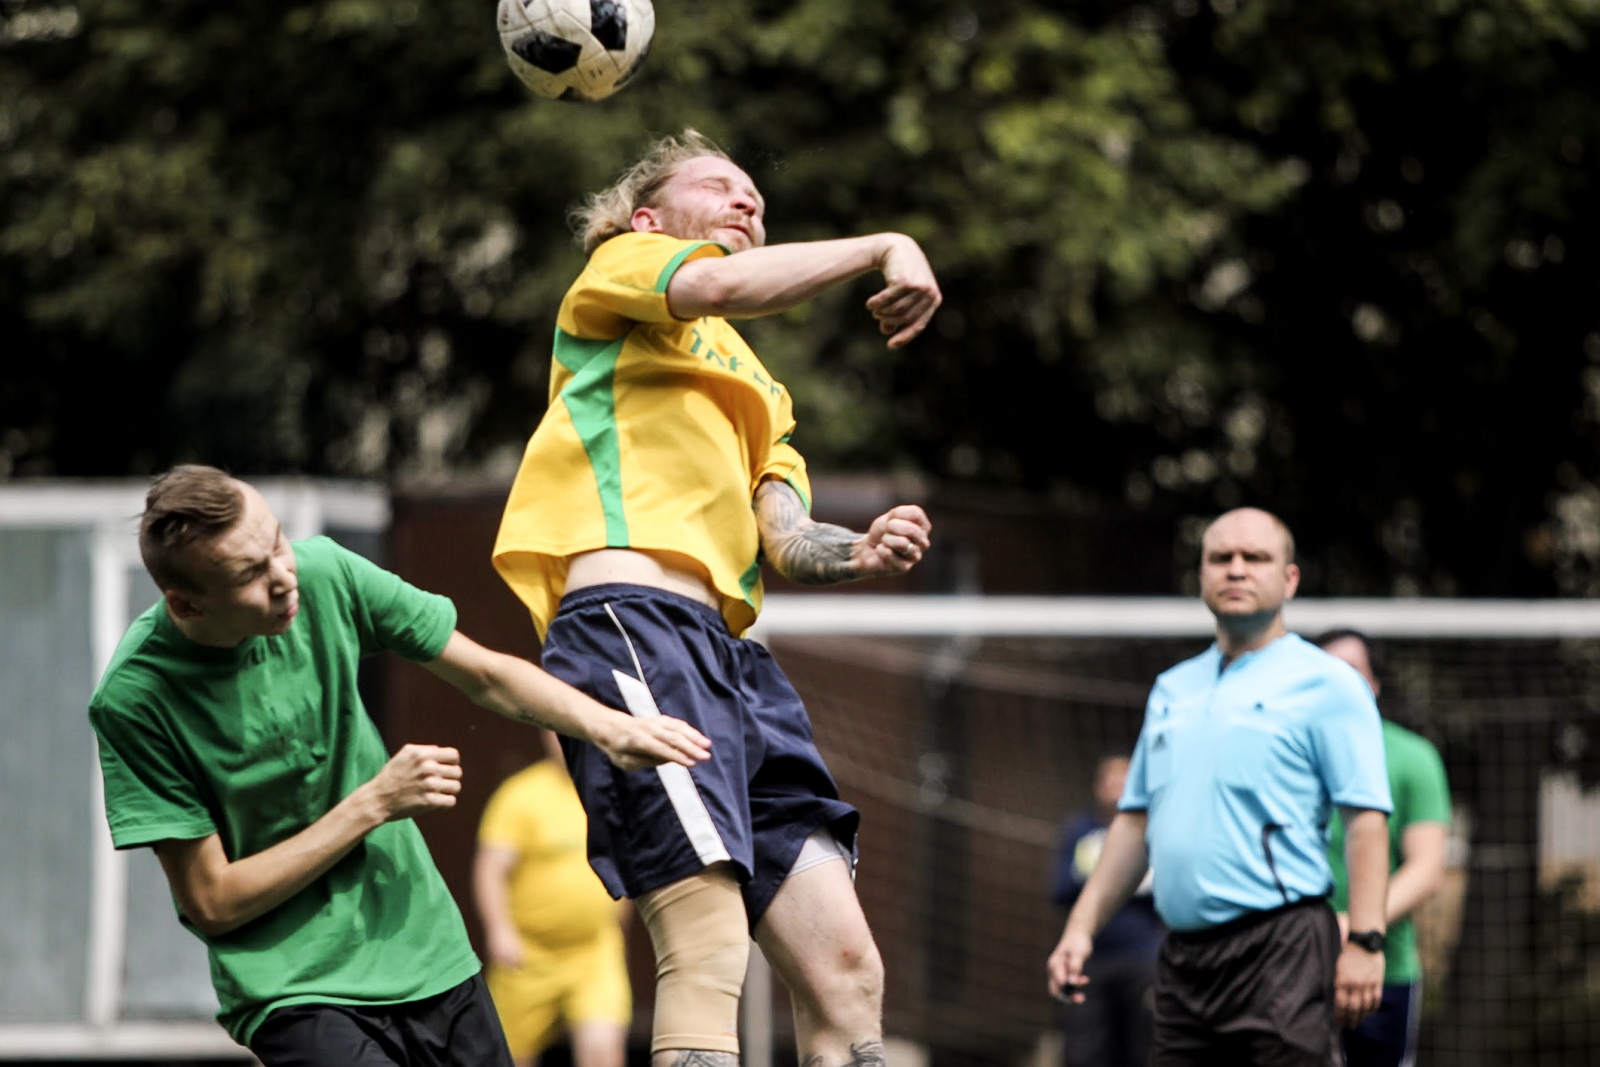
[[456, 1028], [752, 804], [1255, 991]]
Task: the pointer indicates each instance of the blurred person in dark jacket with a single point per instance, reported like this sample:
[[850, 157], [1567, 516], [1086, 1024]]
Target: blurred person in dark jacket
[[1112, 1027]]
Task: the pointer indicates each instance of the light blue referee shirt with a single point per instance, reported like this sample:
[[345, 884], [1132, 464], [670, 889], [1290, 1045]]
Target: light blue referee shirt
[[1238, 768]]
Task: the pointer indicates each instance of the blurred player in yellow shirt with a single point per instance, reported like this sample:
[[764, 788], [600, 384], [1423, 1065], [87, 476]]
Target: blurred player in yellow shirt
[[555, 937]]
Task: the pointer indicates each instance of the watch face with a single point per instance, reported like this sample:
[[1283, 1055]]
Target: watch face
[[1370, 940]]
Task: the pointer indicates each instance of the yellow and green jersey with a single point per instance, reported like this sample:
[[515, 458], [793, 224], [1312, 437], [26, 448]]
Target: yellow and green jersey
[[657, 435]]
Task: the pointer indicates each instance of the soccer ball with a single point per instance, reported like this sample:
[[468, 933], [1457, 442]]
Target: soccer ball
[[575, 49]]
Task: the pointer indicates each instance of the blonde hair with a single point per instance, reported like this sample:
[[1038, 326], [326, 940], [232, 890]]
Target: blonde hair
[[188, 504], [609, 212]]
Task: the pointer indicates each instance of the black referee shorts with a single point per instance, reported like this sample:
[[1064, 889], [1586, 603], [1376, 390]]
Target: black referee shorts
[[1255, 992], [456, 1028]]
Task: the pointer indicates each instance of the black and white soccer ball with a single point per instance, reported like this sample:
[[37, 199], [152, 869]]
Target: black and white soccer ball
[[575, 49]]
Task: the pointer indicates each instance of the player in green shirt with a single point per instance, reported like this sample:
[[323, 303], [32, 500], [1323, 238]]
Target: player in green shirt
[[1418, 832], [234, 743]]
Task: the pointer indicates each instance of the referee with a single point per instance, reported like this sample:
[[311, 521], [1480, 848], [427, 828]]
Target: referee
[[1245, 751]]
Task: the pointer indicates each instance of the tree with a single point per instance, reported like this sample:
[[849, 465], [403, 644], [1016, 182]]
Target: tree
[[1333, 260]]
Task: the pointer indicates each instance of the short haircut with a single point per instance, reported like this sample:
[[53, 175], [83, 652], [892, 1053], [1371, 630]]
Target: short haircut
[[609, 213], [188, 504], [1342, 633]]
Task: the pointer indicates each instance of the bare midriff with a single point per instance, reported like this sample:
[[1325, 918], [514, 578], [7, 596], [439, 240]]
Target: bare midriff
[[607, 565]]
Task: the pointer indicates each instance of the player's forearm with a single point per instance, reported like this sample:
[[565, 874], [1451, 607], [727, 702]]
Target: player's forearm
[[518, 690], [1366, 850], [1421, 874], [798, 547], [1123, 862], [765, 281], [220, 896]]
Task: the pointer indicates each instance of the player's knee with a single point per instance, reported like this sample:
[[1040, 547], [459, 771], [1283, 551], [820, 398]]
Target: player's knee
[[702, 943], [845, 987]]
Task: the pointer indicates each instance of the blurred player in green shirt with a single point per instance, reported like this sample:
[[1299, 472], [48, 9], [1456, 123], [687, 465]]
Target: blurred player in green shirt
[[1418, 832]]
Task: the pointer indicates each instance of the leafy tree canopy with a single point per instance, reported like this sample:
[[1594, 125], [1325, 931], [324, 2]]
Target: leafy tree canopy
[[1336, 259]]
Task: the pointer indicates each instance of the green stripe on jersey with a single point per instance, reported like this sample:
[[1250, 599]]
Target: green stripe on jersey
[[592, 404], [748, 580], [675, 262]]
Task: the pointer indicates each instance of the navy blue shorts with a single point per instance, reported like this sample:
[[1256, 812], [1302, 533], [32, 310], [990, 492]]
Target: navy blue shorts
[[753, 803], [1387, 1037]]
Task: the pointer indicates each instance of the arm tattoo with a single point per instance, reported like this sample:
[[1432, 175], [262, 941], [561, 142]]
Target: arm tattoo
[[802, 550], [866, 1054]]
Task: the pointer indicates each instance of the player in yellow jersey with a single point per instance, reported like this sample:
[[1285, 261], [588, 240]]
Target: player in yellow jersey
[[557, 960], [658, 481]]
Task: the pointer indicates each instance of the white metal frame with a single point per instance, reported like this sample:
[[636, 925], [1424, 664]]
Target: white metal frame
[[109, 510], [963, 615]]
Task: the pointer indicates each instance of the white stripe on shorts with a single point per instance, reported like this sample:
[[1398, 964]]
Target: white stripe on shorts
[[675, 778]]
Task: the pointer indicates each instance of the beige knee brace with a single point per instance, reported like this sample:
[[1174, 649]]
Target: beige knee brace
[[702, 941]]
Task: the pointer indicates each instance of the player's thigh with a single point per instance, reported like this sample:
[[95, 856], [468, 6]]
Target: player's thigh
[[599, 1044], [814, 934]]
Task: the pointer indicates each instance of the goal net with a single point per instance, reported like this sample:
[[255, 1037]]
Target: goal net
[[965, 728]]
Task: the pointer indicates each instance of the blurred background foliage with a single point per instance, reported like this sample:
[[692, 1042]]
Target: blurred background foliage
[[1337, 259]]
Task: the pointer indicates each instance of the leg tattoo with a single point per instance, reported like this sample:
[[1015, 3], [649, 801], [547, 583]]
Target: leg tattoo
[[702, 1058], [866, 1054]]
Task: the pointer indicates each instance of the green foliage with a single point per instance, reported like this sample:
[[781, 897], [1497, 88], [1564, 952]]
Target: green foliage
[[1330, 258]]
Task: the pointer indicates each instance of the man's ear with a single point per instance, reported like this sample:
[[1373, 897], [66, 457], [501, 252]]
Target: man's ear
[[646, 220], [181, 606]]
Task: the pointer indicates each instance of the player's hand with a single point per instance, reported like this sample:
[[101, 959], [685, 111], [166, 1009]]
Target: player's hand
[[1065, 966], [418, 779], [633, 744], [1358, 984], [893, 544], [505, 947], [910, 294]]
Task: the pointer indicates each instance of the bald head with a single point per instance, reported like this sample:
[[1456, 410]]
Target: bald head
[[1251, 519], [1247, 571]]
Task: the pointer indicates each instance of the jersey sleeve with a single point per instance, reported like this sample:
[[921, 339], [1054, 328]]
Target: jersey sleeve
[[625, 282], [148, 795], [785, 464], [389, 612], [1427, 789], [1347, 737], [1136, 790]]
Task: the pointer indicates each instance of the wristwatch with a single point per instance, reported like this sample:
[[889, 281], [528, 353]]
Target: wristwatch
[[1371, 940]]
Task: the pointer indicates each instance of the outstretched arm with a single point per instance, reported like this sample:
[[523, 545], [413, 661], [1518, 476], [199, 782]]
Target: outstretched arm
[[517, 689], [218, 895], [1122, 866], [774, 278], [820, 553]]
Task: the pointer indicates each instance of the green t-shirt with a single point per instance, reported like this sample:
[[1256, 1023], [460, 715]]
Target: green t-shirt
[[255, 743], [1421, 794]]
